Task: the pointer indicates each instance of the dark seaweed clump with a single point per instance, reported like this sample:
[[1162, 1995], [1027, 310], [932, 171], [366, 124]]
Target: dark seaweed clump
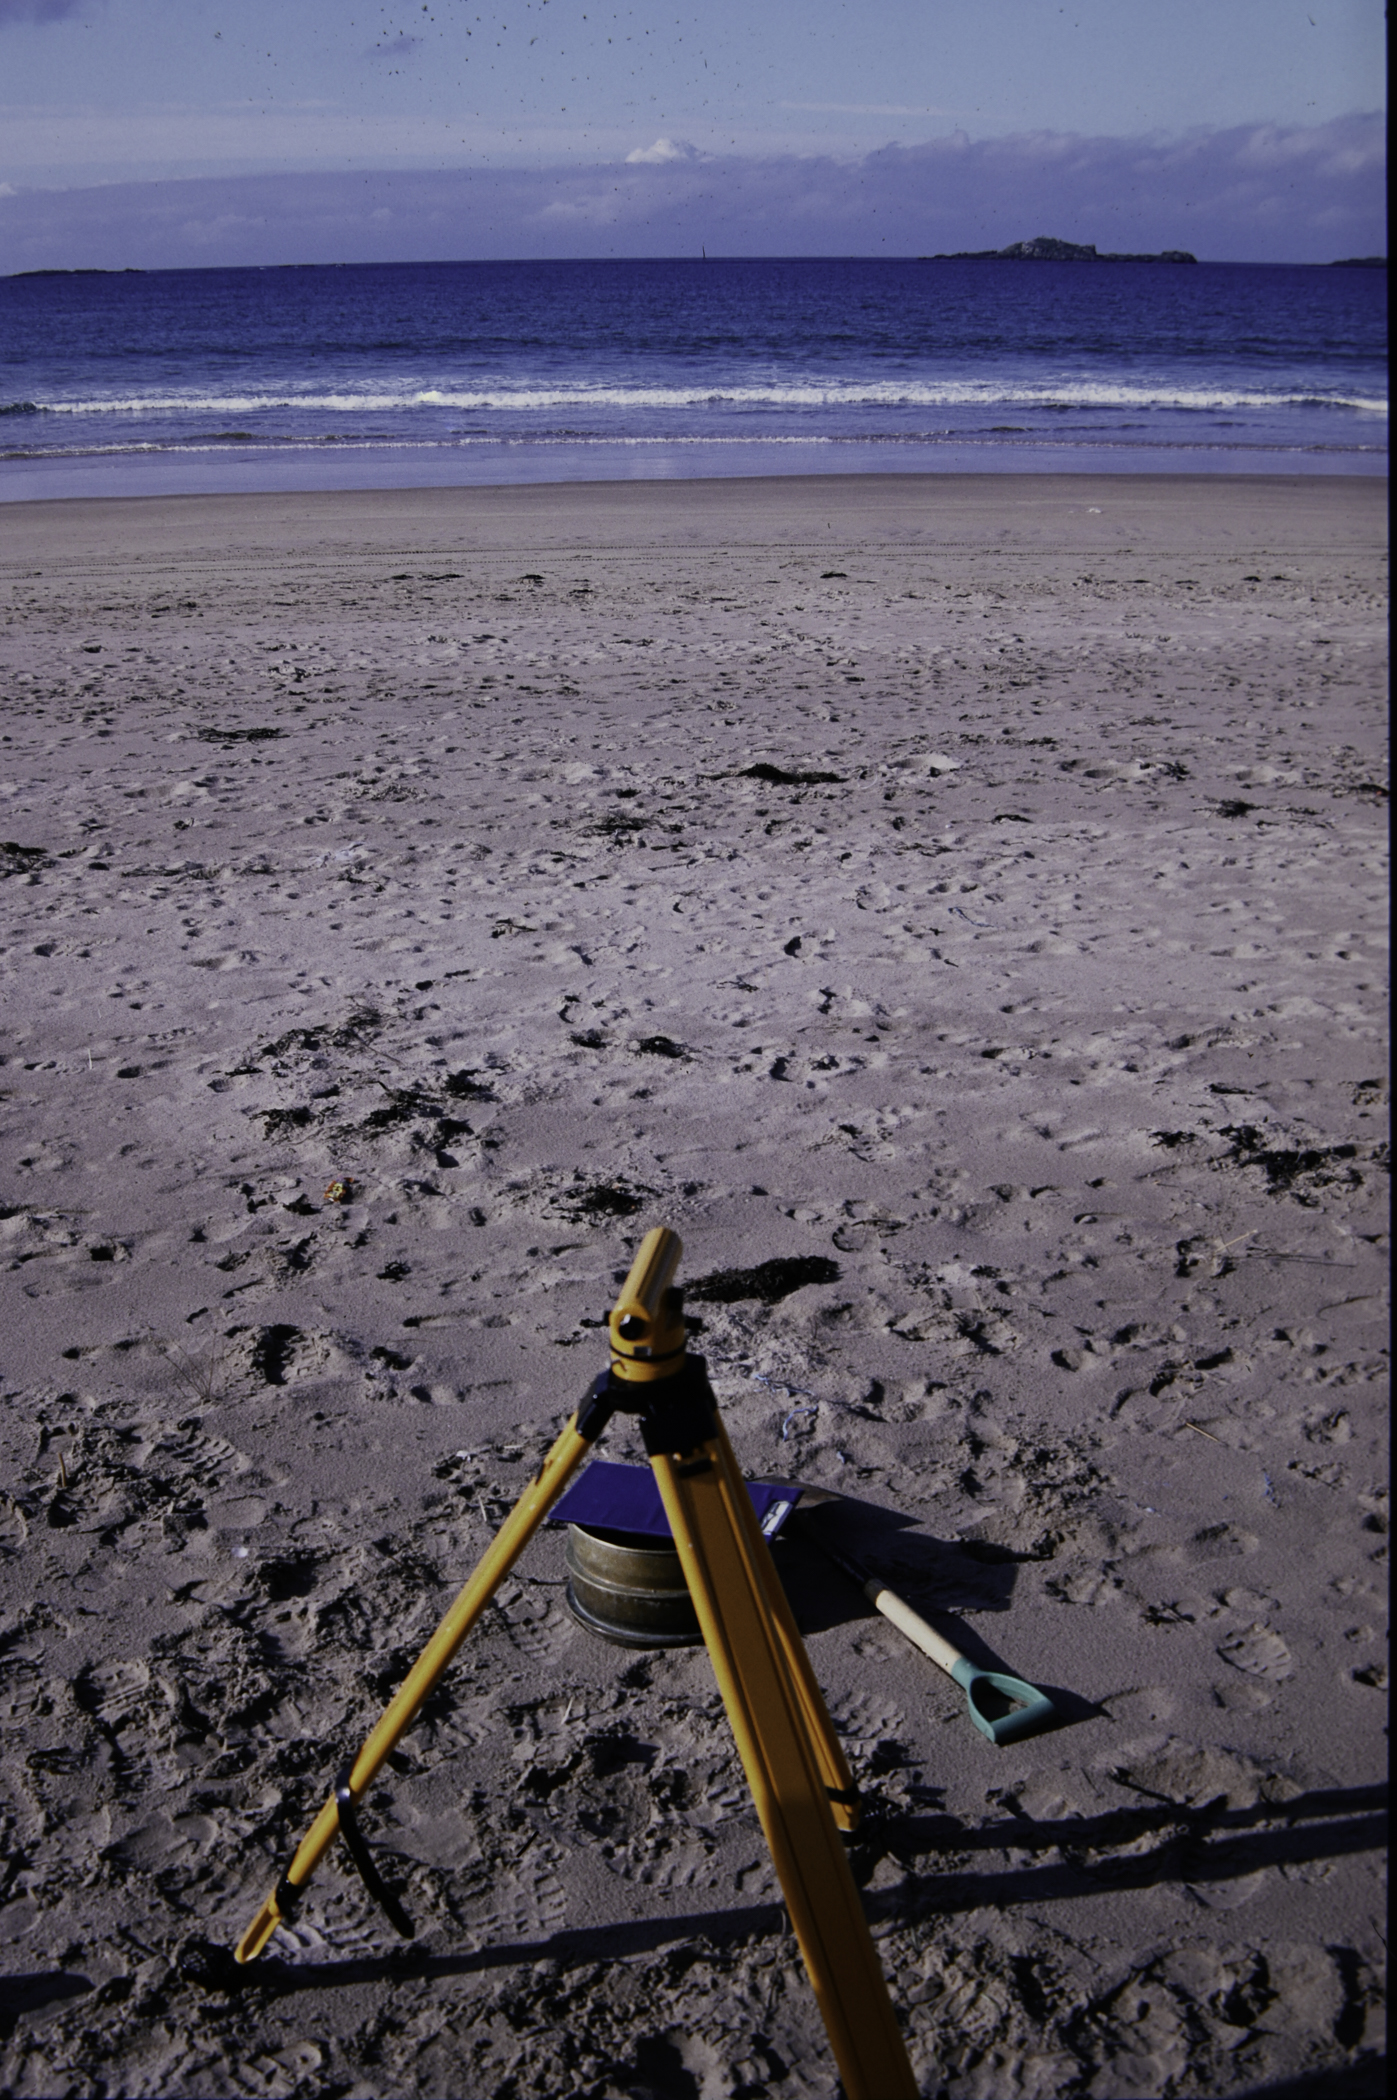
[[464, 1086], [359, 1024], [769, 1283], [610, 1199], [15, 859], [777, 776], [1284, 1166], [617, 824], [277, 1120]]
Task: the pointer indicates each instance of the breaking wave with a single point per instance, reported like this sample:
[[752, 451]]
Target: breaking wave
[[813, 395]]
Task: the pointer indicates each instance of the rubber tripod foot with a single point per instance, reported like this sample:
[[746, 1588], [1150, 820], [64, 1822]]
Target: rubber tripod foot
[[212, 1968]]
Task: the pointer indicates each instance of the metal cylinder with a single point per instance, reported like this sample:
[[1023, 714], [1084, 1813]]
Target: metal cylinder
[[629, 1588]]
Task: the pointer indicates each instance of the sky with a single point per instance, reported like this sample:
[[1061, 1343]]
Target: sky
[[142, 132]]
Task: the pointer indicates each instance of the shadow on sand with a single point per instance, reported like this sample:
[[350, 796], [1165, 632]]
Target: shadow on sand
[[1195, 1847]]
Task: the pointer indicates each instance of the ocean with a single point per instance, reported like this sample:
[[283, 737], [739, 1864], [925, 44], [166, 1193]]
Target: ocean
[[418, 374]]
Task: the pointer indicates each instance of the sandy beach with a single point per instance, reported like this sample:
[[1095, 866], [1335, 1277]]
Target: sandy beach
[[972, 888]]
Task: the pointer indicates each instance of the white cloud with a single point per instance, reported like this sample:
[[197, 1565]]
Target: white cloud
[[1265, 195], [663, 150]]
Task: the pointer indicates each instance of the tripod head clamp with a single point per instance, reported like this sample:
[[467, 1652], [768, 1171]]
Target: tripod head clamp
[[646, 1324], [651, 1374]]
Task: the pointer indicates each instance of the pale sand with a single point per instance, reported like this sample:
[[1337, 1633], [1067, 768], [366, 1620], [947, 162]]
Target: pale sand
[[1054, 1021]]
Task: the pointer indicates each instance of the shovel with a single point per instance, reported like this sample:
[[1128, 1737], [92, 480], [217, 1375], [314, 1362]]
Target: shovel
[[1003, 1708], [625, 1499]]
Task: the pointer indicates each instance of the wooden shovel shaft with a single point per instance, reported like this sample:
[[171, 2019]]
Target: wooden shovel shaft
[[931, 1643], [934, 1645]]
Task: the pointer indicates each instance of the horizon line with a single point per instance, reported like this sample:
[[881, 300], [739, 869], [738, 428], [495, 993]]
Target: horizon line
[[439, 262]]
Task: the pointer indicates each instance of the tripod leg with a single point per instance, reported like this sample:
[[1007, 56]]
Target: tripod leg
[[509, 1542], [838, 1779], [704, 1495]]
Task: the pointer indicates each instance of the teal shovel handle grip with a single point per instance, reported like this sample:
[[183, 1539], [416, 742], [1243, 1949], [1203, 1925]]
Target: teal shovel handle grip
[[1029, 1710], [1026, 1708]]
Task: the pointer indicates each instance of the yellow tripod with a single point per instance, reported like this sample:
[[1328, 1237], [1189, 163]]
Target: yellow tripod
[[800, 1782]]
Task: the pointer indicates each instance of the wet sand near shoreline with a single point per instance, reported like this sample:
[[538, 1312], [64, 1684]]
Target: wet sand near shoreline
[[970, 889]]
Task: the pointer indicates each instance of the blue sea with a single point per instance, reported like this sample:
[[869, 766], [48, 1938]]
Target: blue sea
[[420, 374]]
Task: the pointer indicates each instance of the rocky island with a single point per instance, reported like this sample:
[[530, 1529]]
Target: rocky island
[[1046, 249]]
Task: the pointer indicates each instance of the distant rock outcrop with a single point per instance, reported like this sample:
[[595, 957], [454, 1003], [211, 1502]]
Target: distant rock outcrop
[[1046, 249], [128, 272]]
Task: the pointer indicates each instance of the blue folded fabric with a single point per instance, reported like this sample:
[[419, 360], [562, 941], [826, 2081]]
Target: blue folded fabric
[[612, 1497]]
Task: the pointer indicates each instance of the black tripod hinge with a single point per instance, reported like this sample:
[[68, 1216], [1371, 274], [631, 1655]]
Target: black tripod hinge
[[595, 1408], [287, 1896], [679, 1414], [363, 1859]]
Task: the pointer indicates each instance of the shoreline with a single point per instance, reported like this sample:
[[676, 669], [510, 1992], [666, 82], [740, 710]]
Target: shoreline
[[1021, 510], [87, 484], [84, 478]]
